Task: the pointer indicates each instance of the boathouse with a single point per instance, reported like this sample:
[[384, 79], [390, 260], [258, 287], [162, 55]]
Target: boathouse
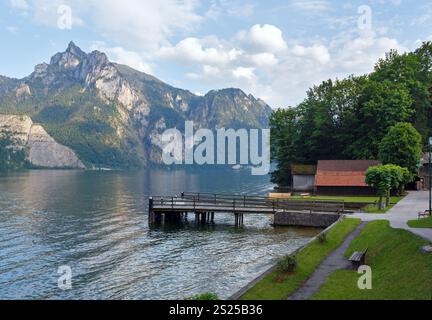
[[343, 177], [303, 177]]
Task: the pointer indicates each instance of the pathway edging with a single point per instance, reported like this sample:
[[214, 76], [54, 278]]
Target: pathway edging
[[334, 261]]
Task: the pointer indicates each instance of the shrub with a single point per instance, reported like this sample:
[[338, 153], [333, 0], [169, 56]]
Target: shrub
[[287, 264], [322, 237], [204, 297]]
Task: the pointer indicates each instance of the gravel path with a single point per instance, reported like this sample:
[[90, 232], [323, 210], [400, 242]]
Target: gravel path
[[407, 209], [335, 261]]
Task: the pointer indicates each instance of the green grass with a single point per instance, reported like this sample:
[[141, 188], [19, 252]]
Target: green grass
[[307, 261], [369, 199], [204, 297], [376, 209], [399, 270], [421, 223]]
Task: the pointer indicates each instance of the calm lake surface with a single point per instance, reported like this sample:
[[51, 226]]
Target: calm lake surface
[[96, 223]]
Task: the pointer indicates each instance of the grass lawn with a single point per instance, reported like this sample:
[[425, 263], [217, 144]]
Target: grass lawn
[[399, 270], [376, 209], [359, 199], [421, 223], [269, 288]]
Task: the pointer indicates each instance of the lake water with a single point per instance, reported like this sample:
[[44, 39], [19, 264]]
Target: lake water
[[96, 223]]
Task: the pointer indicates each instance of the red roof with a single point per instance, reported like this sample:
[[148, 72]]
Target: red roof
[[343, 173]]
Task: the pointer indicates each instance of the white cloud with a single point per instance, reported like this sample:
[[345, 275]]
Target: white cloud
[[310, 5], [244, 73], [123, 56], [193, 50], [263, 59], [358, 55], [265, 38], [318, 53], [236, 8], [19, 4], [136, 24], [258, 60]]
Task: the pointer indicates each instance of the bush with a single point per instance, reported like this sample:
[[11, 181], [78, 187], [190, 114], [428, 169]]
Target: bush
[[204, 297], [287, 264], [322, 237]]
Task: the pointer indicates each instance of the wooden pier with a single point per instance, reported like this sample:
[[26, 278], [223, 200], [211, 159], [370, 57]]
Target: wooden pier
[[204, 206]]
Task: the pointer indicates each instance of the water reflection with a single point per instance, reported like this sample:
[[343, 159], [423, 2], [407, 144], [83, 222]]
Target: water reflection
[[96, 222]]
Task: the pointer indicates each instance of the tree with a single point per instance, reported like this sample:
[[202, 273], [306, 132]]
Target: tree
[[352, 118], [382, 105], [402, 146], [379, 178], [384, 178], [284, 135]]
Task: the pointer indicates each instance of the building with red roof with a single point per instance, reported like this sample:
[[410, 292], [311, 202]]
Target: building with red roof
[[343, 177]]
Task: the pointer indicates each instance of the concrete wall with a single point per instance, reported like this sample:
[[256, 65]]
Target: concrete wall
[[304, 219]]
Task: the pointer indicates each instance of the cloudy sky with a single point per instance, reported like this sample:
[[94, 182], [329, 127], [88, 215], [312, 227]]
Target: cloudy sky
[[273, 49]]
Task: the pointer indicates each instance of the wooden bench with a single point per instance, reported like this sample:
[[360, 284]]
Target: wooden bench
[[426, 213], [358, 259], [274, 195]]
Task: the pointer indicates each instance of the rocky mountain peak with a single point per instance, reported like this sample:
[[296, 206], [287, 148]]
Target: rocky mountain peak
[[75, 50], [124, 108], [71, 58]]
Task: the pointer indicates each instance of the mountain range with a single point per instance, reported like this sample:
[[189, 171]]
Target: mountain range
[[111, 115]]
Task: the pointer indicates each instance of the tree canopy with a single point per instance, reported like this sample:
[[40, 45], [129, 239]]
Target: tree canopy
[[402, 146], [349, 118], [384, 178]]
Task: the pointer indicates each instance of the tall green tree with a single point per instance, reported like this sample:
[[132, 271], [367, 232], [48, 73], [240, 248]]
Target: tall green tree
[[402, 146], [349, 118], [284, 136]]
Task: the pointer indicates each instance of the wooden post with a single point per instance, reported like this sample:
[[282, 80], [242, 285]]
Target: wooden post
[[151, 212]]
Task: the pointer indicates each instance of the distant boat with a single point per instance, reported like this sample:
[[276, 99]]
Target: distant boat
[[237, 167]]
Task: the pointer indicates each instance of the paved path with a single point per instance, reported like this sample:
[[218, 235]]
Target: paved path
[[407, 209], [335, 261]]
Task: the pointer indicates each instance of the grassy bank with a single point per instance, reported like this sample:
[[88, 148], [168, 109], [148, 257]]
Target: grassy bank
[[399, 270], [421, 223], [356, 199], [275, 287], [373, 208]]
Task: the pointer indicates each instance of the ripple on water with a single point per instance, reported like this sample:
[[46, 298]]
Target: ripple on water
[[96, 223]]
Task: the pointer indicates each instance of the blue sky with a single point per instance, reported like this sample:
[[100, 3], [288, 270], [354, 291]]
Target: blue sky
[[273, 49]]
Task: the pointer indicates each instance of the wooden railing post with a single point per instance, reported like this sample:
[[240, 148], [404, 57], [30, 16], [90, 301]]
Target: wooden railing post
[[150, 204]]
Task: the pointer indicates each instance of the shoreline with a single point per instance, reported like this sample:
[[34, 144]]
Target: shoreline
[[237, 295]]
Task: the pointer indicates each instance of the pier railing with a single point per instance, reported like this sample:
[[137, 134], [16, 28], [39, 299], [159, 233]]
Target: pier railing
[[234, 203]]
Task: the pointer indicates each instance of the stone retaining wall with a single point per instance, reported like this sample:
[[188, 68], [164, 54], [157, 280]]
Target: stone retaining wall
[[305, 219]]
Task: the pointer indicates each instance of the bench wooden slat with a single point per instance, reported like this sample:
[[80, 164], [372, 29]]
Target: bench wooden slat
[[358, 258]]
